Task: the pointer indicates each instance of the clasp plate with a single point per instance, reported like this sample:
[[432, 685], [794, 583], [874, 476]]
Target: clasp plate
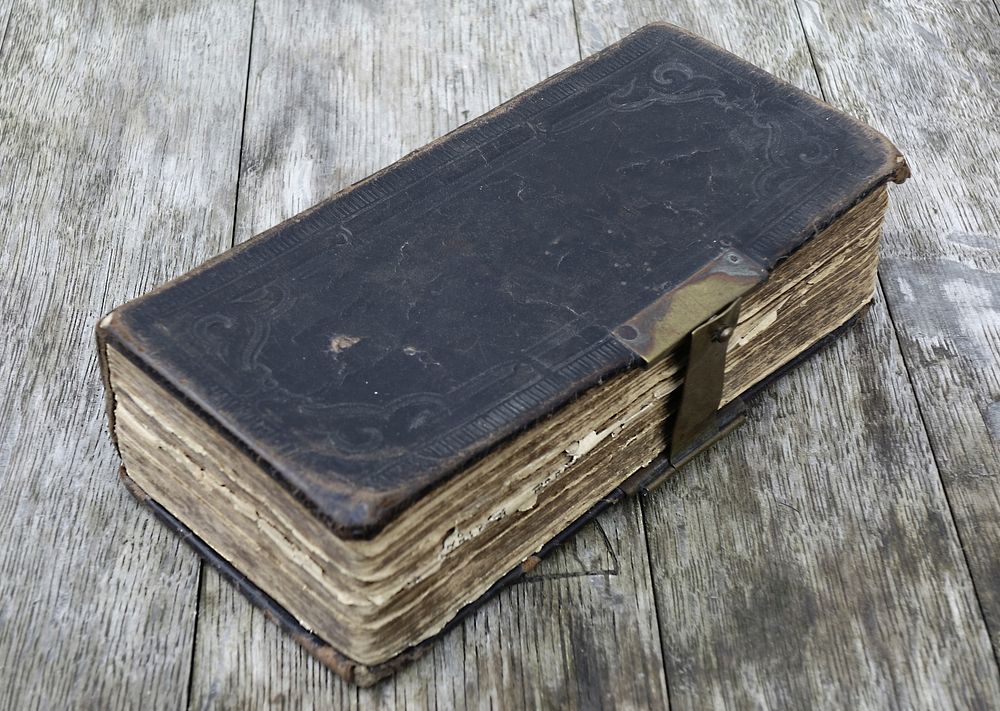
[[704, 309], [663, 325], [698, 423], [703, 380]]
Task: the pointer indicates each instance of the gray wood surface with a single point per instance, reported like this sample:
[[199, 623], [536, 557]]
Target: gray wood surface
[[5, 8], [120, 130], [843, 549], [929, 78]]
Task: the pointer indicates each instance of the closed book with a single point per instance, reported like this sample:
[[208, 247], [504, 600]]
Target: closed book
[[376, 413]]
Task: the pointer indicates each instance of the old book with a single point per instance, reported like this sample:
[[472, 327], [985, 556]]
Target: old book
[[372, 415]]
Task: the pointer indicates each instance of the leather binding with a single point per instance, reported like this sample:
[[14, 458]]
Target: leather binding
[[600, 219]]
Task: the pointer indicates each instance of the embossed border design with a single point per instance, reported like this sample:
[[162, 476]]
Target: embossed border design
[[507, 131]]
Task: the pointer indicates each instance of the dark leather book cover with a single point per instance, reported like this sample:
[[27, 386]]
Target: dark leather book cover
[[373, 346]]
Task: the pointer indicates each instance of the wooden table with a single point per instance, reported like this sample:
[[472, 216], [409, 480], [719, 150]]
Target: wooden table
[[842, 549]]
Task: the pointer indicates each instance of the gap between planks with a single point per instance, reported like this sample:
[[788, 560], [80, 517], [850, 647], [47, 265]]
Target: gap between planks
[[938, 58], [286, 162], [200, 585], [905, 357]]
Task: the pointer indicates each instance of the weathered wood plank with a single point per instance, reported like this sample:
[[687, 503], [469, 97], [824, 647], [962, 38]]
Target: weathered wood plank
[[765, 33], [581, 632], [927, 74], [812, 559], [821, 564], [120, 128], [578, 633], [337, 92], [6, 10]]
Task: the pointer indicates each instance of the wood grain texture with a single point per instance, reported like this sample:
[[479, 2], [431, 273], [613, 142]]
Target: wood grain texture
[[6, 11], [927, 73], [820, 563], [120, 130], [811, 559], [335, 93]]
